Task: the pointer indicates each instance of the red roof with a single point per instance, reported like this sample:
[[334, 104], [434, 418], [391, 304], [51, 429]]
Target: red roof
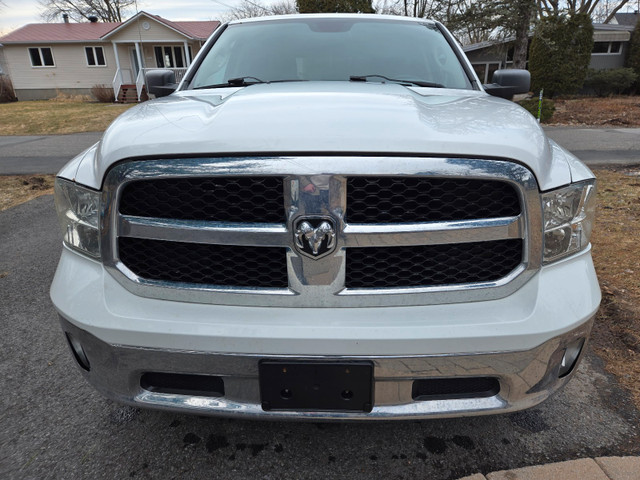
[[84, 32], [58, 32], [198, 29], [191, 29]]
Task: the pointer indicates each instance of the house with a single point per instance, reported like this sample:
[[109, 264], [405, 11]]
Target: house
[[610, 45], [628, 18], [47, 58]]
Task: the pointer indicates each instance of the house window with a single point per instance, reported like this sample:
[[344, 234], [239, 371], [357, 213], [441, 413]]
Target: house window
[[41, 57], [607, 48], [481, 71], [95, 56], [170, 56], [485, 70]]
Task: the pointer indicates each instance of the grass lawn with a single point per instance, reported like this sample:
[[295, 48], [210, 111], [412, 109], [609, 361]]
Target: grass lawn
[[17, 189], [616, 254], [53, 117]]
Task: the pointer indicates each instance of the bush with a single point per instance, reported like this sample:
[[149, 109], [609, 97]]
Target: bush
[[103, 94], [608, 82], [7, 93], [531, 106], [560, 54]]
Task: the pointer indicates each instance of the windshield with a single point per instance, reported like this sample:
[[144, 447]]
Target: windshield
[[331, 49]]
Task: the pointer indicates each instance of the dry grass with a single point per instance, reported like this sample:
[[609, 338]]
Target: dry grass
[[620, 111], [70, 98], [17, 189], [103, 93], [616, 253], [62, 115]]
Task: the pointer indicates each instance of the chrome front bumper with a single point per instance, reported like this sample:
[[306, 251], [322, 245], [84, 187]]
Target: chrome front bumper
[[526, 378]]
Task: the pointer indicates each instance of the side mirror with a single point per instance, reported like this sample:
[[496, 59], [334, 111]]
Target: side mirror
[[507, 83], [161, 82]]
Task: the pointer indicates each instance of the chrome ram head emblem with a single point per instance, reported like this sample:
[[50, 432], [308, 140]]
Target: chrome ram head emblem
[[315, 237]]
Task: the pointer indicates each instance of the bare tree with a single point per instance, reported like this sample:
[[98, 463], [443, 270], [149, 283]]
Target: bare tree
[[470, 20], [603, 10], [255, 8], [441, 10], [81, 10]]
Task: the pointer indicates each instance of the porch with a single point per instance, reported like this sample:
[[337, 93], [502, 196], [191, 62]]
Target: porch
[[135, 59]]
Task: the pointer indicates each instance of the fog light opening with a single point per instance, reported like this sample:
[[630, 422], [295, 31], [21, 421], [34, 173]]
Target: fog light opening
[[570, 357], [78, 352]]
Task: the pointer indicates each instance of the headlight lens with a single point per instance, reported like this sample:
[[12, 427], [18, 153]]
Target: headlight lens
[[79, 212], [569, 214]]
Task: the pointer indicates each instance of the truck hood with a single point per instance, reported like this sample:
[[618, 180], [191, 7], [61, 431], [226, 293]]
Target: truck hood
[[366, 118]]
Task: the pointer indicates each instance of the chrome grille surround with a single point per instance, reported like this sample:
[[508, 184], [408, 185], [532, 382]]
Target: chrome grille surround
[[320, 282]]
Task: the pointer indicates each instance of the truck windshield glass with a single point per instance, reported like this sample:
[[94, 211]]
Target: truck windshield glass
[[324, 49]]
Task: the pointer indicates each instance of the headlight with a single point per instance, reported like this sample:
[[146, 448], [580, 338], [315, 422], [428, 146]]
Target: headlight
[[569, 214], [78, 211]]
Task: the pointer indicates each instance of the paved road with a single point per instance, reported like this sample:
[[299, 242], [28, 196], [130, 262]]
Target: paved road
[[599, 146], [47, 154], [41, 154], [53, 425]]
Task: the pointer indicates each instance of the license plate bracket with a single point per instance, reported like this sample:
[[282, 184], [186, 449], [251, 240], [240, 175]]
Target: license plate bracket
[[316, 386]]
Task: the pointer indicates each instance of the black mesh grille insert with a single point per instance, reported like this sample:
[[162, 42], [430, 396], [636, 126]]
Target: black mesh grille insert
[[431, 265], [223, 199], [415, 199], [223, 265], [449, 388]]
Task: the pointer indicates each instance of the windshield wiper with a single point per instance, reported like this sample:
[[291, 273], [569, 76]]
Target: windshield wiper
[[408, 83], [234, 82], [245, 82]]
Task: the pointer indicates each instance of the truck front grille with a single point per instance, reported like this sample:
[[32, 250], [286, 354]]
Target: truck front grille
[[221, 199], [431, 265], [202, 264], [240, 231], [415, 199]]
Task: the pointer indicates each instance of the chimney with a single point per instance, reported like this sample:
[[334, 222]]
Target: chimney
[[65, 17], [93, 19]]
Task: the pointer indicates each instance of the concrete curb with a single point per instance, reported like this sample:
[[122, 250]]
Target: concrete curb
[[601, 468]]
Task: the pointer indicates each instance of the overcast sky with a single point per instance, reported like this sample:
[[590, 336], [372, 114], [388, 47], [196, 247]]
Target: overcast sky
[[16, 13]]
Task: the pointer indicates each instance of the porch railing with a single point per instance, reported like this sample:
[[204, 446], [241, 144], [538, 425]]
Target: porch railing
[[117, 83], [141, 78], [122, 77]]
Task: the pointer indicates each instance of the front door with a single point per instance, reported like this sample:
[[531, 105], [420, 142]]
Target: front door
[[134, 62]]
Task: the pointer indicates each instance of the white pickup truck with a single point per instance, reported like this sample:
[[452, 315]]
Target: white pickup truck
[[328, 218]]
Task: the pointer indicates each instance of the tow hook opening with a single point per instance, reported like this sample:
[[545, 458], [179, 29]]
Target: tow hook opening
[[78, 352], [454, 388], [183, 384], [570, 357]]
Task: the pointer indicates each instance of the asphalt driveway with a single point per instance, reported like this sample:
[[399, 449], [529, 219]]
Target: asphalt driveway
[[53, 425], [43, 153]]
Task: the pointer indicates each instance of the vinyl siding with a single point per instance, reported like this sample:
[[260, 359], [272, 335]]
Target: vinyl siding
[[490, 54], [70, 70], [156, 32], [609, 61]]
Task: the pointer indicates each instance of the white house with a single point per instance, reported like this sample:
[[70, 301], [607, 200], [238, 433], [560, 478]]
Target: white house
[[46, 58]]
